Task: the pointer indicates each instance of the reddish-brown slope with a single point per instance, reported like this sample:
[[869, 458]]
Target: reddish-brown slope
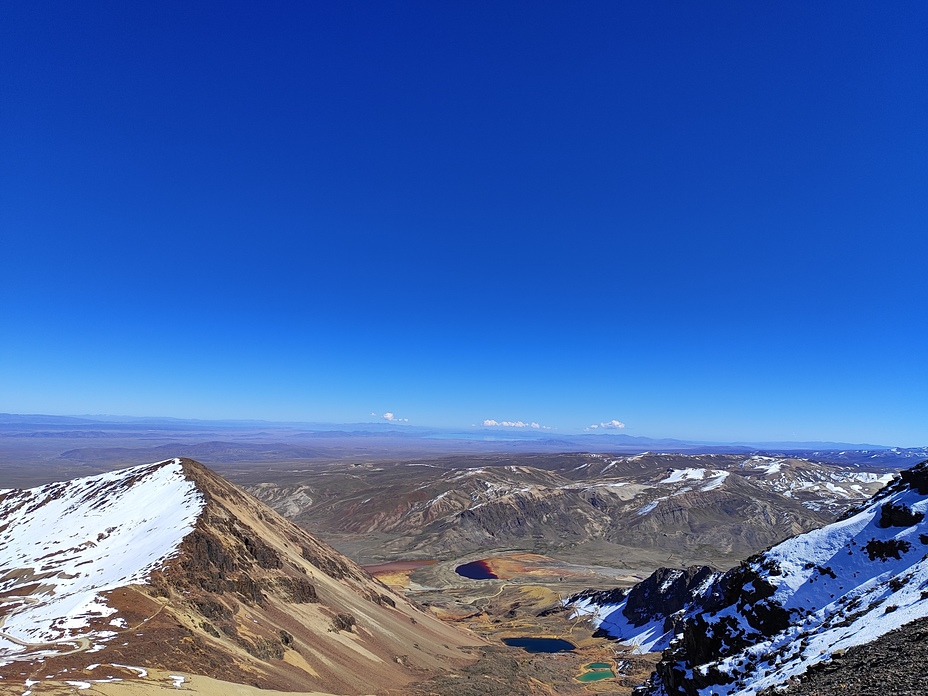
[[253, 599]]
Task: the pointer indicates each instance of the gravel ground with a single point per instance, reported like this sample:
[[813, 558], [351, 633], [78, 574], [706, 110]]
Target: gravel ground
[[894, 665]]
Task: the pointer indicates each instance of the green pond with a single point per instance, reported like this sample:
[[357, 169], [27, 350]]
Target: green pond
[[595, 671], [595, 676]]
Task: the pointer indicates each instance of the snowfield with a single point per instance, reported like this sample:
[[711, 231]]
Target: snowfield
[[64, 544]]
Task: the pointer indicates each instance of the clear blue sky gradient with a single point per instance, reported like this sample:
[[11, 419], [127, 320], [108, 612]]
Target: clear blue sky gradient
[[705, 220]]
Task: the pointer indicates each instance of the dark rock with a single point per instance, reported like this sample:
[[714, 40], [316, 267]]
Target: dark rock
[[265, 649], [884, 550], [892, 515], [614, 596], [343, 622], [665, 592], [212, 608], [299, 590], [265, 556], [381, 599], [917, 477]]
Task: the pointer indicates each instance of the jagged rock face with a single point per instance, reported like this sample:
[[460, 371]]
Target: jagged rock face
[[664, 593], [916, 478], [647, 615], [793, 606], [898, 516], [241, 594]]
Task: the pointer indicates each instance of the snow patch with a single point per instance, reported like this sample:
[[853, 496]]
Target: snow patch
[[79, 539], [717, 480], [688, 474], [650, 637], [650, 506]]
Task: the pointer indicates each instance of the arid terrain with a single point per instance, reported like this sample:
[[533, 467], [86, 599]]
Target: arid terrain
[[543, 526]]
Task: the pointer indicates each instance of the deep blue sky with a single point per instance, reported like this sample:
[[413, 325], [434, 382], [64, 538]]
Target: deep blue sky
[[704, 220]]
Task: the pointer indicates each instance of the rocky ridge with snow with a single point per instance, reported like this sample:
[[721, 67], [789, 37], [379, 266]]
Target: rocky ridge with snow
[[65, 544], [647, 615], [169, 567], [801, 603]]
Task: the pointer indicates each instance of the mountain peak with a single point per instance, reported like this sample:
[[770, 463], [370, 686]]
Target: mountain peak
[[70, 542], [169, 566]]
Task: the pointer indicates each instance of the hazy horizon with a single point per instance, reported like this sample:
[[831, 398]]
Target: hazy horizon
[[474, 431]]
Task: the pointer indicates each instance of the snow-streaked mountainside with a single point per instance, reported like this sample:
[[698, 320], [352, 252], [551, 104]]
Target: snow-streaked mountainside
[[169, 567], [708, 508], [795, 605], [64, 544], [647, 615], [819, 488]]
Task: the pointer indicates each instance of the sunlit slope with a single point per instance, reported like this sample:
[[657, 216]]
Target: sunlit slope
[[637, 510], [170, 567]]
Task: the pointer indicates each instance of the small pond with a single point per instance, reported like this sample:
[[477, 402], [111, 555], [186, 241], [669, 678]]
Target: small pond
[[596, 675], [540, 645], [596, 671], [476, 570]]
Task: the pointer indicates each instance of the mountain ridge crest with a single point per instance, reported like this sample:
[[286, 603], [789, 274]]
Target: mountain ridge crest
[[239, 593]]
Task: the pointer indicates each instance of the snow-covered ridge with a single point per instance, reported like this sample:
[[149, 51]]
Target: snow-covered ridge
[[790, 607], [813, 595], [63, 544]]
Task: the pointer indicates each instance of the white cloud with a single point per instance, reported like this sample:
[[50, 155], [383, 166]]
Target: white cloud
[[612, 425], [393, 419], [489, 422]]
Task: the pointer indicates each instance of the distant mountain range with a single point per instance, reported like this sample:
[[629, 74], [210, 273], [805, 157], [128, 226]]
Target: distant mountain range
[[644, 508], [328, 440]]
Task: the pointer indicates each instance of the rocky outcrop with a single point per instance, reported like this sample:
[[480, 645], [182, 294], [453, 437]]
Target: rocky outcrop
[[803, 602], [704, 640], [666, 592], [647, 615], [916, 478], [892, 515]]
